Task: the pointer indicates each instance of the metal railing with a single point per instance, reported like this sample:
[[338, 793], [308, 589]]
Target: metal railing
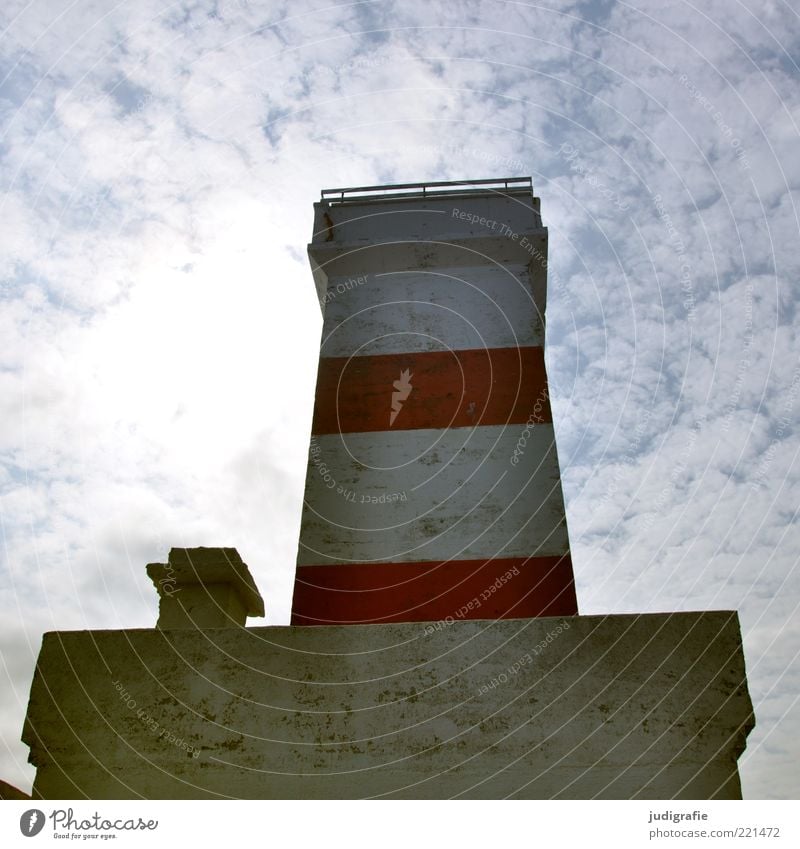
[[423, 190]]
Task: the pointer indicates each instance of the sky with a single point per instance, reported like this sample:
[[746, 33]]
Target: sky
[[159, 329]]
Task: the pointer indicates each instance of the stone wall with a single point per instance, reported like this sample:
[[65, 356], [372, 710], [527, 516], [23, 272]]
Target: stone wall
[[627, 706]]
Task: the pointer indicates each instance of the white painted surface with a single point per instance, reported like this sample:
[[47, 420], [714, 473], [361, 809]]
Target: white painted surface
[[413, 311], [463, 496]]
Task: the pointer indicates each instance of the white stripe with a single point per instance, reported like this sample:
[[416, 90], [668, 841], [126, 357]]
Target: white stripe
[[400, 312], [433, 495]]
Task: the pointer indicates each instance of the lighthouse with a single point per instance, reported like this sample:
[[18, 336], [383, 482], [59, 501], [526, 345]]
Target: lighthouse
[[433, 485], [436, 648]]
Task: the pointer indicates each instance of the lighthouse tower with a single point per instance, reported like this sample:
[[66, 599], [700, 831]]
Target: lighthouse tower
[[433, 487], [447, 657]]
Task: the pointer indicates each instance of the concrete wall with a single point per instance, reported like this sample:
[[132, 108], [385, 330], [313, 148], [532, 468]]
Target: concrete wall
[[651, 706]]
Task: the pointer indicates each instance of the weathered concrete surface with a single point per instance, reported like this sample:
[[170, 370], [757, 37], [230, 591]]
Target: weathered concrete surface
[[388, 236], [481, 506], [479, 306], [650, 706]]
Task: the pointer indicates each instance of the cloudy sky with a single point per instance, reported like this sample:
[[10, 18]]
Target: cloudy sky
[[159, 329]]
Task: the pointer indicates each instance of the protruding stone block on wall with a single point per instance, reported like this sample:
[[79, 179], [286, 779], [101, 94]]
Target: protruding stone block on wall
[[204, 588]]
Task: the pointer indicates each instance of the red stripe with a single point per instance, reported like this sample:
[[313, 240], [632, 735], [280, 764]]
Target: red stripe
[[485, 386], [360, 594]]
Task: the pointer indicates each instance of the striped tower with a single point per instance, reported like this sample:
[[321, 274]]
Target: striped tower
[[433, 490]]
